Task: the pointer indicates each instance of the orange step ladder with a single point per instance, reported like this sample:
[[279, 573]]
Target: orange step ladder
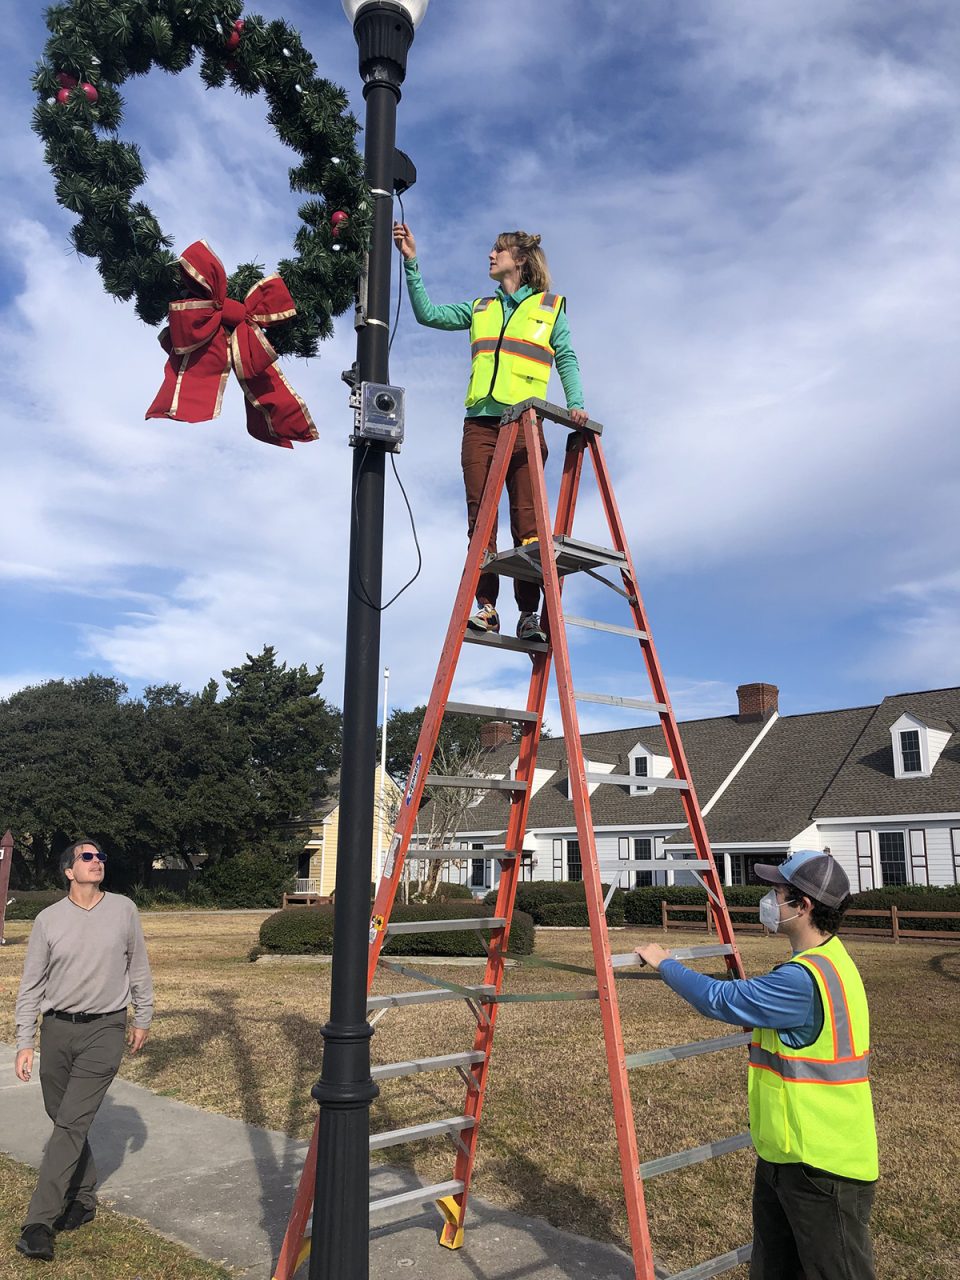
[[566, 555]]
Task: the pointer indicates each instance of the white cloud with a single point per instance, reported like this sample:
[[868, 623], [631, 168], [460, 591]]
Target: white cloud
[[761, 264]]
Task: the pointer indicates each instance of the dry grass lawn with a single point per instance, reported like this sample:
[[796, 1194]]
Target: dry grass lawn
[[244, 1040], [113, 1246]]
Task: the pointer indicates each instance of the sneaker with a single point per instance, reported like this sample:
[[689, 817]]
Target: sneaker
[[36, 1242], [75, 1215], [529, 628], [485, 619]]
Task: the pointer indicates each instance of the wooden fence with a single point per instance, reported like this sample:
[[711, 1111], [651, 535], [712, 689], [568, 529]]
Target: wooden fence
[[891, 916]]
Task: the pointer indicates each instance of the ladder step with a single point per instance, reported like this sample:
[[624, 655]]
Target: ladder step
[[570, 556], [664, 864], [613, 700], [394, 1069], [594, 625], [715, 1266], [552, 413], [475, 784], [444, 926], [417, 1132], [489, 713], [648, 783], [694, 1155], [491, 852], [624, 959], [419, 1195], [402, 998], [692, 1050], [497, 641]]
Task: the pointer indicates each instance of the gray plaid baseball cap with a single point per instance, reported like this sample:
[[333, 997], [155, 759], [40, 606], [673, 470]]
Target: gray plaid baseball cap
[[813, 872]]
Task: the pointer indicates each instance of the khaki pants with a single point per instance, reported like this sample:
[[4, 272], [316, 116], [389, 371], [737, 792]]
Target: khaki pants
[[479, 441], [810, 1225], [78, 1061]]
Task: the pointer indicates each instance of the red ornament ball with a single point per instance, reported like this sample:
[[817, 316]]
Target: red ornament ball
[[338, 220], [67, 81], [239, 24], [63, 95], [89, 92], [232, 40]]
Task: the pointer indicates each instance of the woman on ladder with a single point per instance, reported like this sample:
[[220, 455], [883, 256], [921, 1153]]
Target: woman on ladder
[[515, 337]]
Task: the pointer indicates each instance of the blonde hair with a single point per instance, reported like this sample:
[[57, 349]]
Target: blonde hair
[[533, 261]]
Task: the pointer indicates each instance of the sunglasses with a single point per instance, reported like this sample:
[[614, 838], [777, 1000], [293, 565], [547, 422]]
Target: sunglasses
[[87, 856]]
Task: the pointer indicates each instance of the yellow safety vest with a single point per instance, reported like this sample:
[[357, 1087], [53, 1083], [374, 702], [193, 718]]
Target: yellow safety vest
[[813, 1105], [512, 361]]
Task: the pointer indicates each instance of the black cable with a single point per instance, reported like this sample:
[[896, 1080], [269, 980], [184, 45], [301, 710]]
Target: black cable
[[396, 318], [413, 529], [365, 594]]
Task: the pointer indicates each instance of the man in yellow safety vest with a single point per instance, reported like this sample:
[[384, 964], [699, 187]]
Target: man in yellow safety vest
[[811, 1112]]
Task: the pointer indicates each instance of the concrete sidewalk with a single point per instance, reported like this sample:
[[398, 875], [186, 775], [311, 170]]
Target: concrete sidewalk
[[224, 1189]]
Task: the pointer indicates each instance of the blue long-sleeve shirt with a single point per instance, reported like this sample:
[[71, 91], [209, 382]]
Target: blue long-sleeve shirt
[[786, 1000], [459, 315]]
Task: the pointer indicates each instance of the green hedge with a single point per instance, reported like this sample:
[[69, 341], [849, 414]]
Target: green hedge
[[28, 903], [242, 880], [642, 906], [912, 897], [560, 902], [309, 931]]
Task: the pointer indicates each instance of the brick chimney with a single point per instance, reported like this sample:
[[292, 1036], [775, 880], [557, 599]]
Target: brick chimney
[[757, 702], [495, 733]]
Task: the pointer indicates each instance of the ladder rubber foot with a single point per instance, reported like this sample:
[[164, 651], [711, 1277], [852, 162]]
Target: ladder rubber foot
[[451, 1237]]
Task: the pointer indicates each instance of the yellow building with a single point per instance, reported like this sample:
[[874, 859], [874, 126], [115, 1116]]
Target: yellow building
[[317, 864]]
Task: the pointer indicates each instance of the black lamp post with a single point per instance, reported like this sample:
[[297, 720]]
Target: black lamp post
[[341, 1218]]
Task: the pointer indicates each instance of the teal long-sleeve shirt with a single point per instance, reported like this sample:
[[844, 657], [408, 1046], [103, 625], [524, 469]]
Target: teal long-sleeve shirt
[[458, 315]]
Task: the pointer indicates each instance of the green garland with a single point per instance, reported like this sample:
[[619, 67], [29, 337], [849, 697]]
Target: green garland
[[100, 43]]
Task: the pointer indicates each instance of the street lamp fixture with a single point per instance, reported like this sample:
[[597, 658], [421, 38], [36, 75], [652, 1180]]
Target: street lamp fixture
[[340, 1243]]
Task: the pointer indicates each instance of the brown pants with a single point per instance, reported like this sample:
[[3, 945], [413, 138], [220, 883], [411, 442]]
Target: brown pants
[[479, 441]]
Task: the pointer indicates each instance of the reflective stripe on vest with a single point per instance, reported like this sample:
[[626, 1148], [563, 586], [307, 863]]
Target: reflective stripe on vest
[[799, 1069], [512, 362], [812, 1105]]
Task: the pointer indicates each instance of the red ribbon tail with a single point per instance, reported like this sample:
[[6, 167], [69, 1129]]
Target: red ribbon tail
[[193, 384], [275, 413]]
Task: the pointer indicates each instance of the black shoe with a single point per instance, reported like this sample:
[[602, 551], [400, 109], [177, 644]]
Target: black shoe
[[75, 1215], [36, 1242]]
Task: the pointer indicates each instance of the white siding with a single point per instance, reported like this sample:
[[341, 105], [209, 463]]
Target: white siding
[[929, 846]]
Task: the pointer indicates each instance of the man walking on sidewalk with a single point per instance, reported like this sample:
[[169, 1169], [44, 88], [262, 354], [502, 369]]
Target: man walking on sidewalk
[[86, 960], [811, 1113]]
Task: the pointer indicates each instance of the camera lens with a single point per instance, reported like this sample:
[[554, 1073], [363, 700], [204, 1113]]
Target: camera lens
[[385, 402]]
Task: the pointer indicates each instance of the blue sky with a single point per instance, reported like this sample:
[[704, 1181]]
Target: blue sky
[[752, 211]]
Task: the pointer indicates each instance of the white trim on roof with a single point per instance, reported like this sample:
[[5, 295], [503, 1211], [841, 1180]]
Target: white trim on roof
[[740, 763], [740, 844], [891, 817]]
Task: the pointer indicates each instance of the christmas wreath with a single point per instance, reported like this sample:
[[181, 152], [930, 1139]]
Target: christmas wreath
[[94, 46]]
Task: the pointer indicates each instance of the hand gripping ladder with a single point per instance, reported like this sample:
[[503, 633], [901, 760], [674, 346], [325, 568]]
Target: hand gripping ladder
[[565, 555]]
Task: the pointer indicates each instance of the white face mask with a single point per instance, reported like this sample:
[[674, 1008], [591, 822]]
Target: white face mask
[[770, 912]]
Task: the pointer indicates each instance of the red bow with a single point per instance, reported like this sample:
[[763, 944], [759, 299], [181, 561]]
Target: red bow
[[207, 335]]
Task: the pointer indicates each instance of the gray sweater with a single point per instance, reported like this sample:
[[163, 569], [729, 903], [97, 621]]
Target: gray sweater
[[84, 962]]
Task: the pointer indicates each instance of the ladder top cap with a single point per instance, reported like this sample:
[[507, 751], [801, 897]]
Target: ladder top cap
[[551, 412]]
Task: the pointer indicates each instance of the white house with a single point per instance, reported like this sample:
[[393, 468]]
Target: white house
[[878, 786]]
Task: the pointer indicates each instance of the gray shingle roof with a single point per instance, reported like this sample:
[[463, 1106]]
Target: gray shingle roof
[[866, 785], [712, 747], [774, 795]]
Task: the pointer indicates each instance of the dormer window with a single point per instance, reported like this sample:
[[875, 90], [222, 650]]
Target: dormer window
[[641, 769], [917, 745], [910, 751]]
